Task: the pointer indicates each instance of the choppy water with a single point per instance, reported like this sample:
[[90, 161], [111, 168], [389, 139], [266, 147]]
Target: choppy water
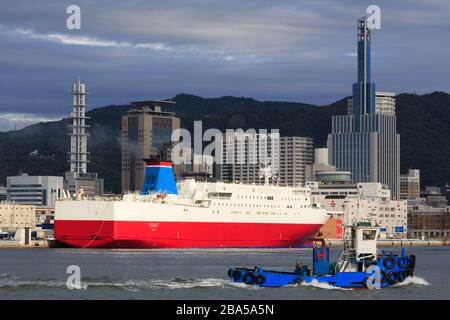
[[191, 274]]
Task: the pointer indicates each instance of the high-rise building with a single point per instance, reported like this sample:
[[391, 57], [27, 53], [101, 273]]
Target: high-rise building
[[365, 142], [257, 151], [78, 180], [295, 154], [410, 185], [146, 134]]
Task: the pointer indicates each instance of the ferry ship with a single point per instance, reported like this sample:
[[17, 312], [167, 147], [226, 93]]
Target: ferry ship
[[191, 214]]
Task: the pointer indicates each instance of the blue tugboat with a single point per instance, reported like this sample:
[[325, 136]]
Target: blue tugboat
[[361, 265]]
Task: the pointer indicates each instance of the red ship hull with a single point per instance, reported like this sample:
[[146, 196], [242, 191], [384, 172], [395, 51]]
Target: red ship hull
[[145, 234]]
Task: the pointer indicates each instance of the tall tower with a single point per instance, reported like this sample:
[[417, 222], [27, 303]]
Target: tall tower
[[78, 179], [365, 142], [78, 154], [363, 89]]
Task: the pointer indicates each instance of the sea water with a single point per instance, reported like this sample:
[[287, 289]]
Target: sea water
[[192, 274]]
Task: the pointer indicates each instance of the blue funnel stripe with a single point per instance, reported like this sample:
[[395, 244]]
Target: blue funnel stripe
[[159, 177]]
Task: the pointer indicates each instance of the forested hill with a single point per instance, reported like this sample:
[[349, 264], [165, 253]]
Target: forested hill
[[423, 123]]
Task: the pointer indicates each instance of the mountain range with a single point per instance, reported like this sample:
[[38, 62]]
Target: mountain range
[[423, 122]]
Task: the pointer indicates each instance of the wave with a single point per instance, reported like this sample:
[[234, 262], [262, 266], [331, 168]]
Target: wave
[[321, 285], [11, 282], [6, 276], [418, 281]]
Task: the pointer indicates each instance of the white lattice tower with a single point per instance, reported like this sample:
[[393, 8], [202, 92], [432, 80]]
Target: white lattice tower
[[78, 155]]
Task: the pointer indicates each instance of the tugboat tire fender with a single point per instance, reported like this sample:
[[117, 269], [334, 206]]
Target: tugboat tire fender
[[389, 263], [402, 262], [402, 276], [249, 278], [236, 274], [298, 280], [392, 277], [260, 279]]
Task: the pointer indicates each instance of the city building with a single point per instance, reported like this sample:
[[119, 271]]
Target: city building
[[365, 141], [256, 151], [78, 180], [370, 198], [40, 191], [410, 185], [146, 134], [15, 216], [426, 221], [295, 154]]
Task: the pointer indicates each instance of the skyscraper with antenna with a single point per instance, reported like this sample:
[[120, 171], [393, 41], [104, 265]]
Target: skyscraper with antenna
[[365, 141]]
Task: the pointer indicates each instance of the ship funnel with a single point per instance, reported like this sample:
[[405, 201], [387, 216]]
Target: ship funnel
[[159, 177]]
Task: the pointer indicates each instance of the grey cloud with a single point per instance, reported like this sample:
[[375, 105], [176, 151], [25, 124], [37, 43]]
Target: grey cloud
[[269, 50]]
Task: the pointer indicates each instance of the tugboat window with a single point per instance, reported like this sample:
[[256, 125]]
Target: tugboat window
[[369, 234]]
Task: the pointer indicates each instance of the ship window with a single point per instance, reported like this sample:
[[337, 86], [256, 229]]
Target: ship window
[[219, 195]]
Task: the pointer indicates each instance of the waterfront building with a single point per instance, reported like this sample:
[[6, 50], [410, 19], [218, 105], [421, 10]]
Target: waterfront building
[[410, 185], [368, 198], [40, 191], [146, 134], [15, 216], [426, 221], [365, 141]]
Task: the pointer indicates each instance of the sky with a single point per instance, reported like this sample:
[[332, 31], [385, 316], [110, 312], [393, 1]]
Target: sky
[[281, 50]]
